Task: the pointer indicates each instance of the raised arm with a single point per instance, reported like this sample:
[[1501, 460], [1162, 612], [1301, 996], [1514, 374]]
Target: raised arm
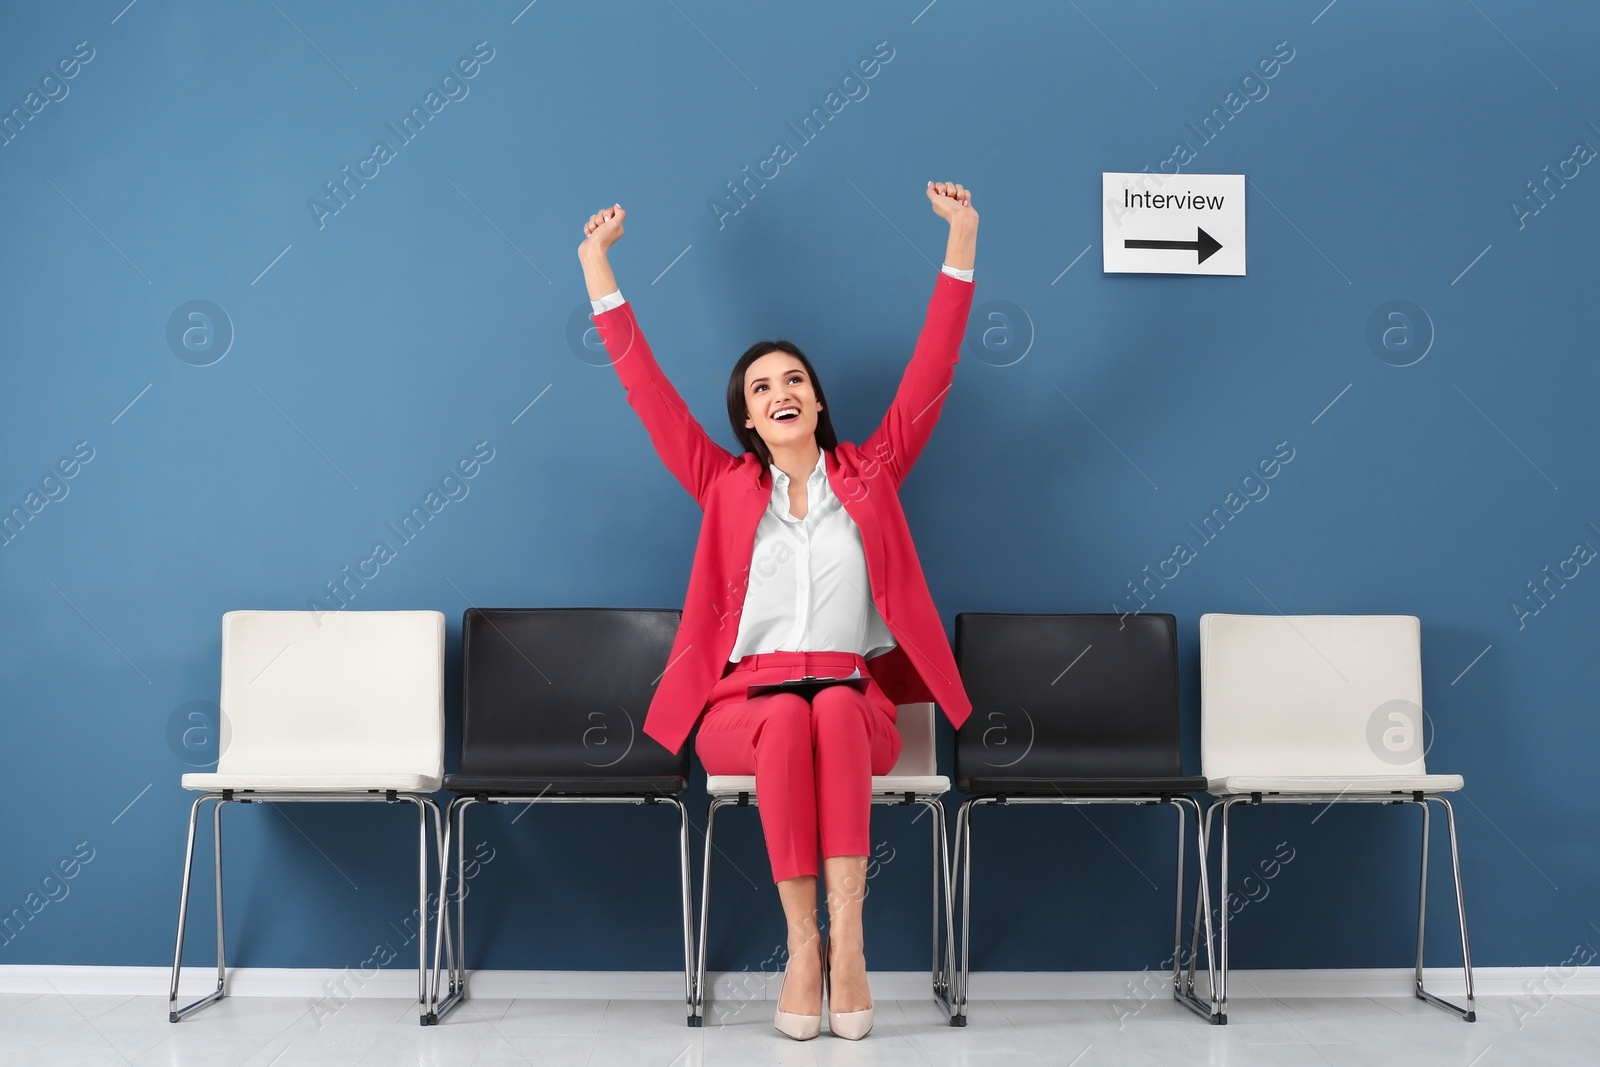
[[909, 422], [681, 442]]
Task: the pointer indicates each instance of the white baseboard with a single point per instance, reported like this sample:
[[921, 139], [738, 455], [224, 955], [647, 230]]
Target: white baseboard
[[315, 983]]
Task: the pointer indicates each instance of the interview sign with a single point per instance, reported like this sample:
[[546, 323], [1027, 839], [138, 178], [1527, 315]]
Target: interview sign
[[1173, 223]]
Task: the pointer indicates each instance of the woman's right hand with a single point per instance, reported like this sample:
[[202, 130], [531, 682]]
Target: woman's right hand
[[602, 231]]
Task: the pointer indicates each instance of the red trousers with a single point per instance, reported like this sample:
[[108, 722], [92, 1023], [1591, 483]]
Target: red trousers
[[813, 760]]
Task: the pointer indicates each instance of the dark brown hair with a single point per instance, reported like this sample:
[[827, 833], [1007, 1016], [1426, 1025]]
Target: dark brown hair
[[739, 410]]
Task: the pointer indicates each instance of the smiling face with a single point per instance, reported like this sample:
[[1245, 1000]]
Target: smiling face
[[780, 403]]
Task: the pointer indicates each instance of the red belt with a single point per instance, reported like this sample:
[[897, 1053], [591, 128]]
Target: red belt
[[809, 661]]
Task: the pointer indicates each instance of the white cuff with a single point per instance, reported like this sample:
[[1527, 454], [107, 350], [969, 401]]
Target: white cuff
[[607, 302], [957, 272]]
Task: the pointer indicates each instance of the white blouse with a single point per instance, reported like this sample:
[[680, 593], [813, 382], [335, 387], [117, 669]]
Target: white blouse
[[808, 588]]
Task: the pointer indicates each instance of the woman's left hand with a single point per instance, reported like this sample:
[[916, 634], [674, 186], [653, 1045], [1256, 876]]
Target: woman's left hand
[[952, 202]]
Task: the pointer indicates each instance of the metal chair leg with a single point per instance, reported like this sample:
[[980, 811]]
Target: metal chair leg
[[216, 853], [441, 830], [943, 926], [963, 852], [942, 966], [1461, 907], [705, 911], [693, 1017], [425, 988], [422, 911], [938, 979], [1203, 842], [1185, 993], [428, 978], [1222, 892], [1177, 926], [1422, 895], [1468, 1013], [444, 957], [949, 905], [461, 895], [1203, 827], [183, 911], [175, 1013], [441, 923], [455, 825], [943, 954]]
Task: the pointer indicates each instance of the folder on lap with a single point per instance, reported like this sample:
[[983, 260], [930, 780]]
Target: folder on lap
[[809, 685]]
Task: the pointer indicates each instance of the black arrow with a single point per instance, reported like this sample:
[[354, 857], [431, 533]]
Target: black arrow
[[1206, 245]]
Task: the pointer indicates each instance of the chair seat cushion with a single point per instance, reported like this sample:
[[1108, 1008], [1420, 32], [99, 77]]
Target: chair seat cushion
[[313, 783], [987, 785], [659, 785], [725, 785], [1399, 783]]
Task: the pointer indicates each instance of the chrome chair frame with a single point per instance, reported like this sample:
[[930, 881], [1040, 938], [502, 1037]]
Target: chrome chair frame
[[424, 804], [1183, 989], [1422, 799], [456, 828], [941, 971]]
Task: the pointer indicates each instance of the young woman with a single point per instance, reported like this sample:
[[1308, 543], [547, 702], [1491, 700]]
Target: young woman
[[804, 566]]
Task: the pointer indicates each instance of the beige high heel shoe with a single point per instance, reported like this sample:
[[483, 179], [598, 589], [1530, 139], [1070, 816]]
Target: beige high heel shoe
[[852, 1025], [793, 1024]]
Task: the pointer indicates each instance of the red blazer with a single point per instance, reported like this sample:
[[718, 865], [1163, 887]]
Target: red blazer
[[734, 491]]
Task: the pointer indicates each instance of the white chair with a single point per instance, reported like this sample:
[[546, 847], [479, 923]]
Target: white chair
[[1320, 709], [344, 706], [914, 779]]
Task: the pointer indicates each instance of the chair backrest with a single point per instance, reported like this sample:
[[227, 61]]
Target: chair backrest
[[1318, 695], [562, 692], [1068, 696], [332, 692], [917, 758]]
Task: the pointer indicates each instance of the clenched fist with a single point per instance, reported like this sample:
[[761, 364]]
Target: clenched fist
[[602, 231], [952, 202]]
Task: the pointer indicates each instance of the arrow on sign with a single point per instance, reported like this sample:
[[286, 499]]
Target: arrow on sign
[[1205, 244]]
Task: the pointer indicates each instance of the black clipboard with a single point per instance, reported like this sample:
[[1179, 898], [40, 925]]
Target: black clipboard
[[809, 685]]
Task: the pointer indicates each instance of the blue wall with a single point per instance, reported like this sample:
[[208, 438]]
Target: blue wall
[[374, 346]]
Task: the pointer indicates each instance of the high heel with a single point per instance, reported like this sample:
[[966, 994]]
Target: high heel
[[793, 1024], [852, 1025]]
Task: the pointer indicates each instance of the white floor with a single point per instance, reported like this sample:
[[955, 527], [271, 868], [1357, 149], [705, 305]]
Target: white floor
[[281, 1032]]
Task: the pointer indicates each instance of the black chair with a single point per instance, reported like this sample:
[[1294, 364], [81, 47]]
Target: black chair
[[1073, 709], [552, 704]]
